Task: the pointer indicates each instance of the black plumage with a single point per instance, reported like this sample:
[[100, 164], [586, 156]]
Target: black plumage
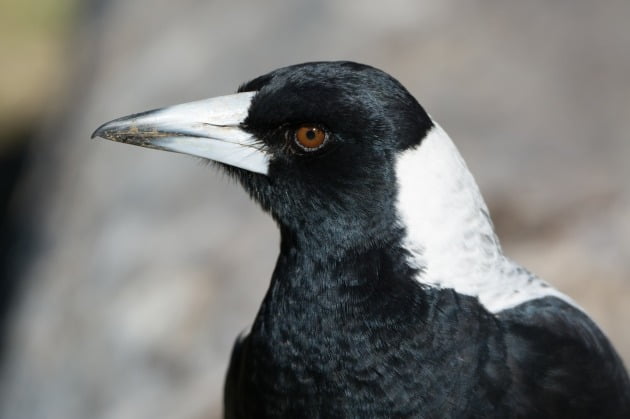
[[357, 322]]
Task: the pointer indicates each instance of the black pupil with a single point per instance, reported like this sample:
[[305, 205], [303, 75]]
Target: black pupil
[[310, 134]]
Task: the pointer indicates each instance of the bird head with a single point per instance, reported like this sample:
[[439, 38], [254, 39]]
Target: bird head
[[316, 144]]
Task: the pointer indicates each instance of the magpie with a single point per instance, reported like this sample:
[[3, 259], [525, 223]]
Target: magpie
[[391, 296]]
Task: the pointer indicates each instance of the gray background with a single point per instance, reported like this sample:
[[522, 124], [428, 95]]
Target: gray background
[[146, 265]]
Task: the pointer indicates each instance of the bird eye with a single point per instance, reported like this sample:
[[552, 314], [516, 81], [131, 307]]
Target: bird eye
[[310, 137]]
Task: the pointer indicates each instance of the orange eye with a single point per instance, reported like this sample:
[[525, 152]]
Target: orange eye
[[310, 137]]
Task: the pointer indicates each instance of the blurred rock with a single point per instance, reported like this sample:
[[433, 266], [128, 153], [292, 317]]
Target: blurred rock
[[148, 264]]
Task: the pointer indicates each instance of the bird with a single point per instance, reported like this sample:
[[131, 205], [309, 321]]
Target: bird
[[391, 296]]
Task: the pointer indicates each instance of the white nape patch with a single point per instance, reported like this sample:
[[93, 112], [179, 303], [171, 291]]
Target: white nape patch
[[449, 233]]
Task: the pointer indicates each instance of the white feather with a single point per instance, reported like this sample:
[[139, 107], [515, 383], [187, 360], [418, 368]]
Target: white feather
[[449, 234]]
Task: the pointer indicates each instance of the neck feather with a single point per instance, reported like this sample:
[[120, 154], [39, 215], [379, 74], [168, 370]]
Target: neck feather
[[448, 231]]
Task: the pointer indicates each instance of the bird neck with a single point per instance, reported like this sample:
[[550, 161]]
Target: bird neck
[[312, 268], [449, 233], [305, 283]]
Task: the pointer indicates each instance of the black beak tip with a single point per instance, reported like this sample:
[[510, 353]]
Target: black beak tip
[[100, 131]]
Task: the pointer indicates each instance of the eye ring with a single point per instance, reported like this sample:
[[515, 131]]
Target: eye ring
[[310, 137]]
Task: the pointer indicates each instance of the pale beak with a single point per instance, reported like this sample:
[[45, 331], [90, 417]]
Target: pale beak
[[210, 128]]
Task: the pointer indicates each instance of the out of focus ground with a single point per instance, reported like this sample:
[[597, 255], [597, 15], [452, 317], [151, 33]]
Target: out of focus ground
[[127, 273]]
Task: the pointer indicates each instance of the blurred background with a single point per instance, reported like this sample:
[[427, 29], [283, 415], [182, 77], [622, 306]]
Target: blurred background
[[127, 273]]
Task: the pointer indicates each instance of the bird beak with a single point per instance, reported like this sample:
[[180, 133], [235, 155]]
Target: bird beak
[[208, 128]]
